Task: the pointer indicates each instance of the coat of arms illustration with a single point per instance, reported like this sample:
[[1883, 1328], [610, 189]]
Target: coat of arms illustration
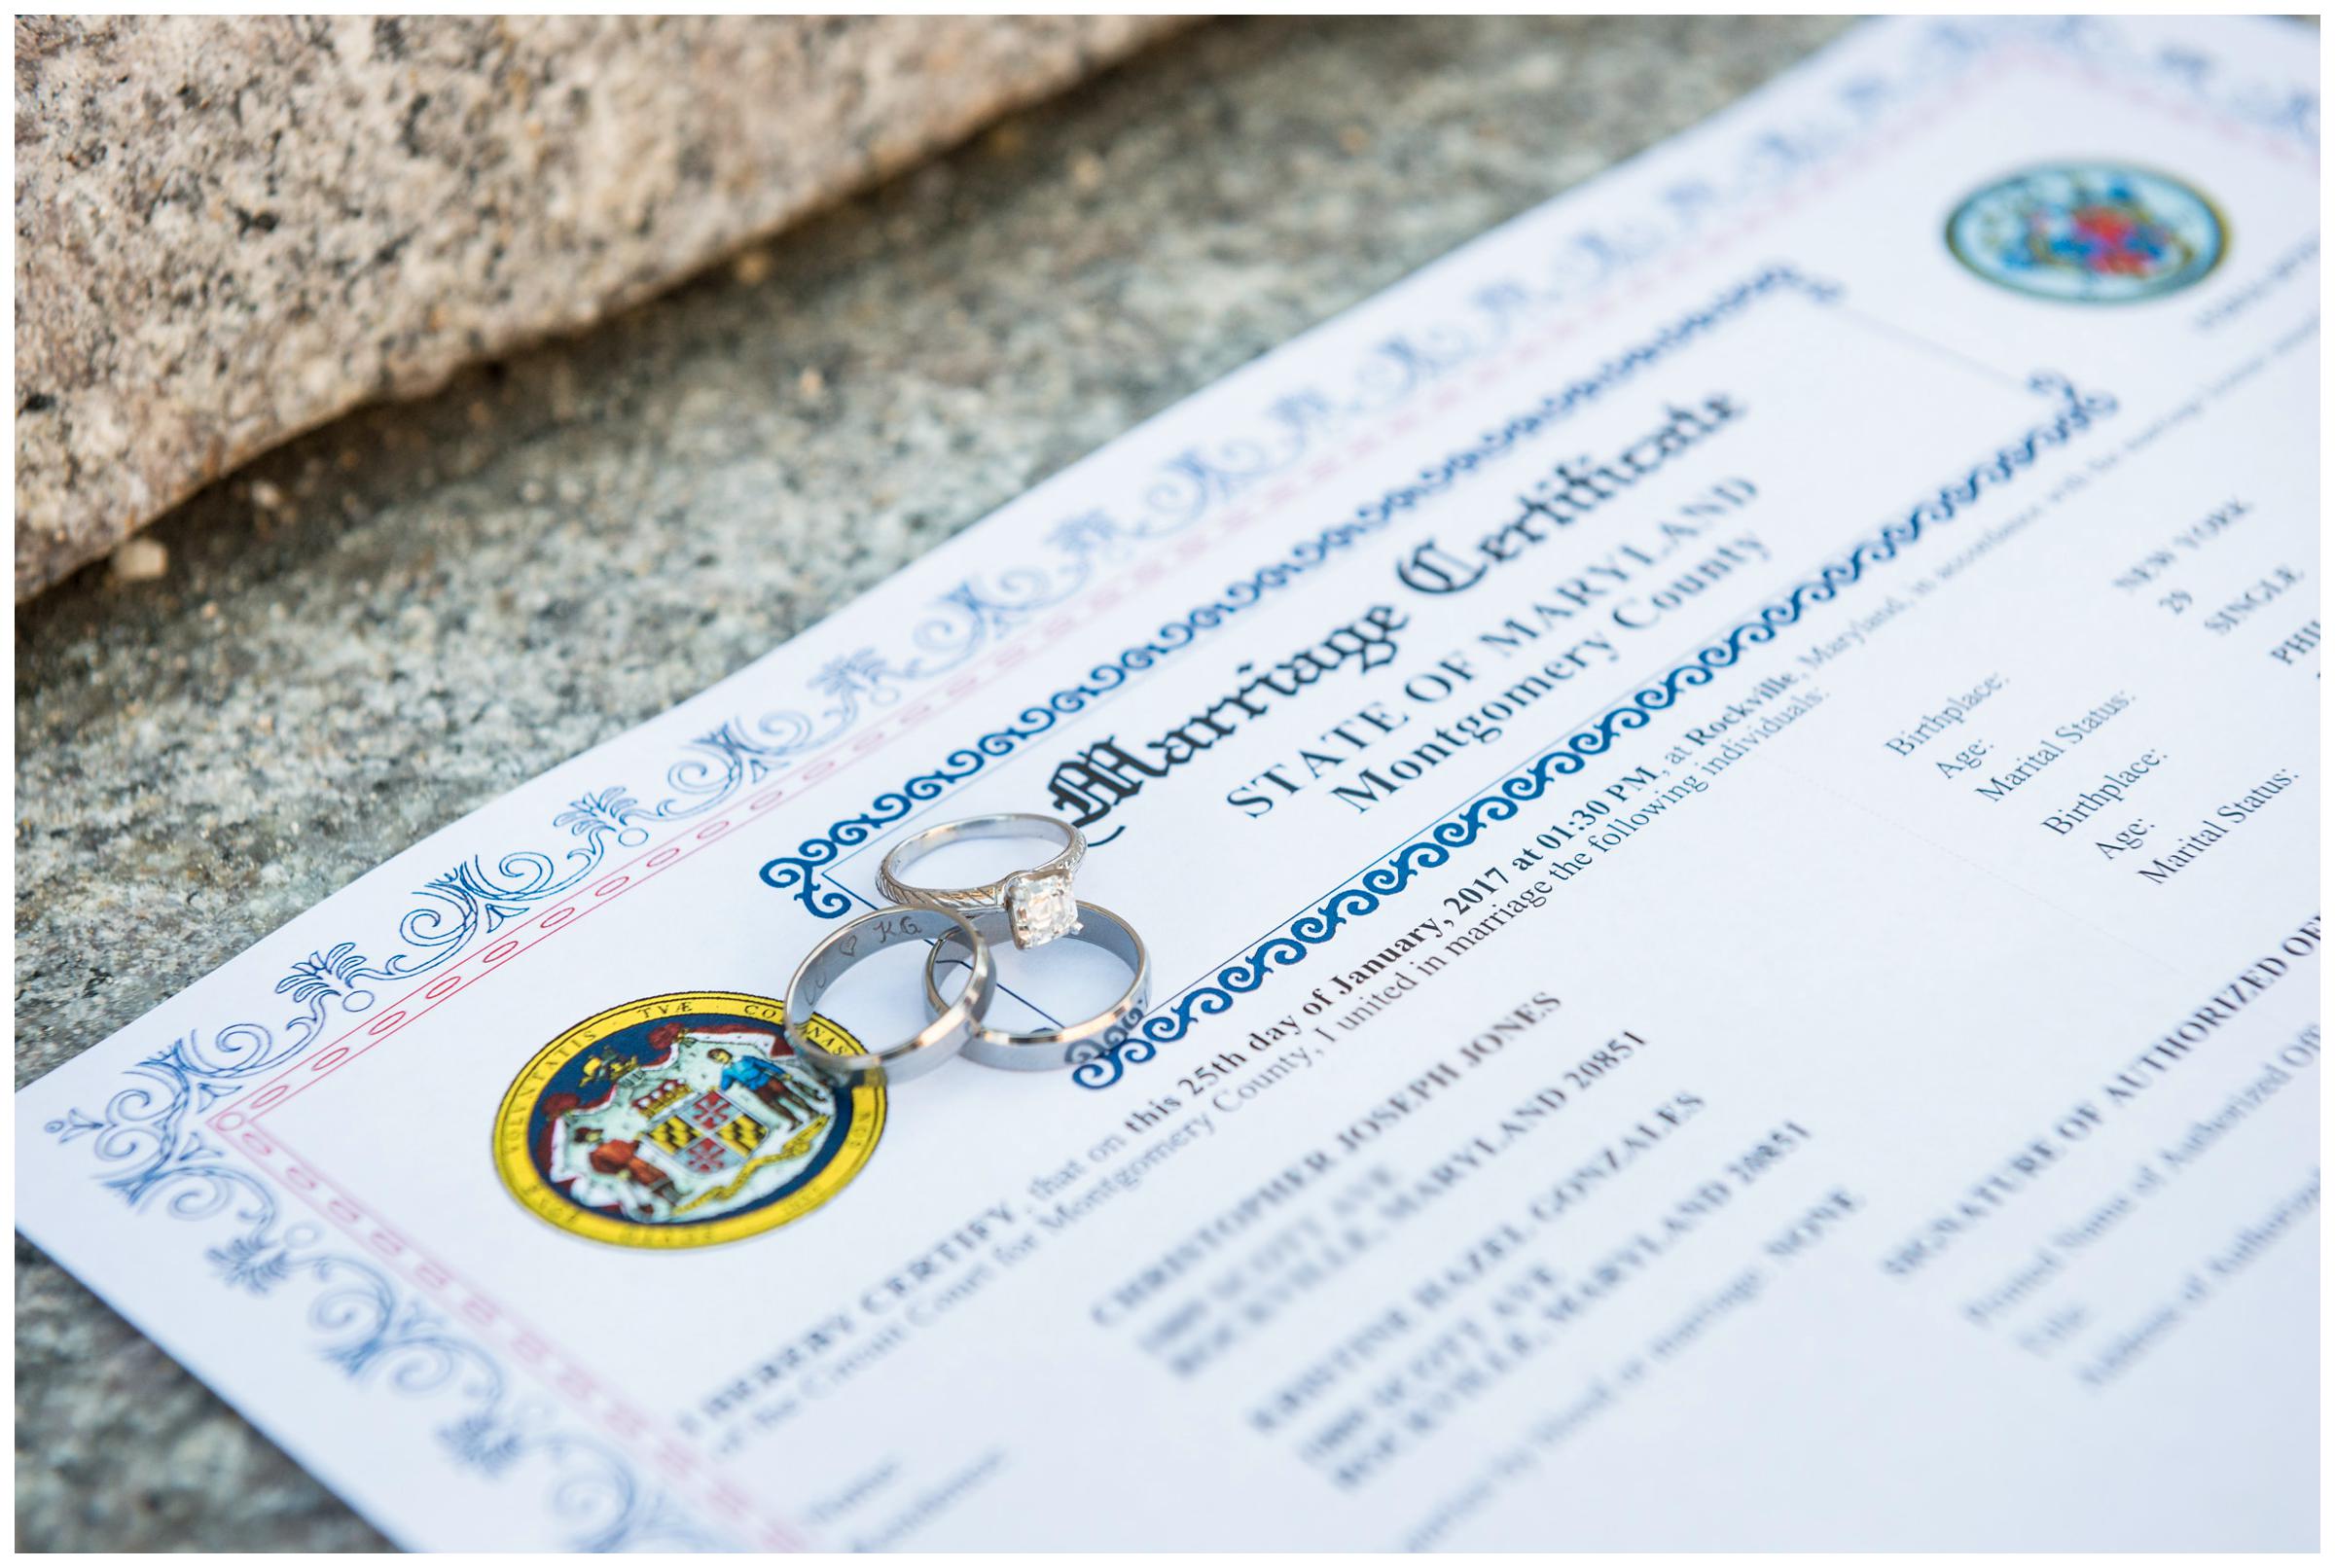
[[2088, 233], [681, 1120]]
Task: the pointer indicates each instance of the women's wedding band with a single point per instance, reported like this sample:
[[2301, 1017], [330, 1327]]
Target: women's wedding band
[[1072, 1044], [1038, 903], [864, 938]]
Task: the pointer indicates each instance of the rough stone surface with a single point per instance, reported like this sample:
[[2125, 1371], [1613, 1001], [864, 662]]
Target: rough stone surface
[[396, 619], [232, 229]]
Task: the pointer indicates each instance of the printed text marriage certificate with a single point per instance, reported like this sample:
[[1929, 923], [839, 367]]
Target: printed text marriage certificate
[[1721, 789]]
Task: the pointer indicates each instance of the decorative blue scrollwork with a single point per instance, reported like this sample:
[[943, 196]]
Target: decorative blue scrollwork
[[369, 1329]]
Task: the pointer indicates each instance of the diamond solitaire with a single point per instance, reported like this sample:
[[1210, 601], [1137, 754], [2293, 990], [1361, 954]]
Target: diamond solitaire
[[1038, 900], [1041, 909]]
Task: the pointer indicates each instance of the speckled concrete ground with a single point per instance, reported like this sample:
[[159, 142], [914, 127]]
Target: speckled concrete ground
[[390, 622]]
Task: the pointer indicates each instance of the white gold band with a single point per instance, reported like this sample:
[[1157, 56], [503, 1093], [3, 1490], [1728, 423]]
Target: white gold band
[[928, 1047], [1049, 1048]]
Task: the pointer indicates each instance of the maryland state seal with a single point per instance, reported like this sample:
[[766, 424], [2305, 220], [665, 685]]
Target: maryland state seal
[[682, 1121], [2088, 233]]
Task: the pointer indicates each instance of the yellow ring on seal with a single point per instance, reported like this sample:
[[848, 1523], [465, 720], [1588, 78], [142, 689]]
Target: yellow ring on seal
[[516, 1164]]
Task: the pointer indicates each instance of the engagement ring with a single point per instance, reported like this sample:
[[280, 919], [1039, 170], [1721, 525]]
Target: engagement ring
[[1038, 903]]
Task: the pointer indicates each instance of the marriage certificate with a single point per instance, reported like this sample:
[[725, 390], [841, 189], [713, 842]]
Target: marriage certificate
[[1720, 789]]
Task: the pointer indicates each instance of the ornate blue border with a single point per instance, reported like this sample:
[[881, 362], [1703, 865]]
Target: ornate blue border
[[369, 1328], [2102, 45], [150, 1147], [1366, 894]]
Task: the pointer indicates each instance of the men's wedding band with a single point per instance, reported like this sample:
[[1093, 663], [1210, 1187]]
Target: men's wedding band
[[862, 938], [1071, 1044], [1038, 903]]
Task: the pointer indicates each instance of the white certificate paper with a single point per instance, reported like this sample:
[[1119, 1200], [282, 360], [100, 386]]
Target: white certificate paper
[[1721, 791]]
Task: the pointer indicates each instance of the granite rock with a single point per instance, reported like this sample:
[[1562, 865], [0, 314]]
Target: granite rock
[[229, 230], [393, 620]]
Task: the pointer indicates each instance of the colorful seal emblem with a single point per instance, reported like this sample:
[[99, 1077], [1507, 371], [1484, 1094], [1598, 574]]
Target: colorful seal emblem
[[682, 1121], [2088, 233]]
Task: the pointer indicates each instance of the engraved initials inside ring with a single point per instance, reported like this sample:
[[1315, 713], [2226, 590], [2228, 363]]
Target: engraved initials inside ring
[[861, 940]]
